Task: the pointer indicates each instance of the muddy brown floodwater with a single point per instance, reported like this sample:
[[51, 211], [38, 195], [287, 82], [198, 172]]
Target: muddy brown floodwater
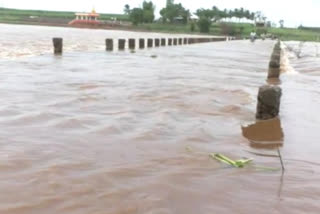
[[92, 132]]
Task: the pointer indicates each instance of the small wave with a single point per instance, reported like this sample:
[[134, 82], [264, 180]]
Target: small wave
[[285, 64]]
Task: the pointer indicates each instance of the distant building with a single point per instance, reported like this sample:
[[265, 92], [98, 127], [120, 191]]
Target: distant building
[[86, 19]]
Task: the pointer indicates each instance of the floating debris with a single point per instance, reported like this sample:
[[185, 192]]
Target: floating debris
[[238, 163], [189, 149]]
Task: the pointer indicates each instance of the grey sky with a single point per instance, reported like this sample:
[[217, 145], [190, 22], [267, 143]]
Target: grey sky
[[294, 12]]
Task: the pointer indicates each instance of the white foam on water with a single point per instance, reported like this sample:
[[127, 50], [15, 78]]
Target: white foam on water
[[285, 62]]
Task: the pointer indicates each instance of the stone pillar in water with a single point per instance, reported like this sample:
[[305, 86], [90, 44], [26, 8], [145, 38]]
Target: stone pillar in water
[[190, 41], [180, 41], [141, 43], [132, 44], [268, 106], [274, 65], [150, 43], [175, 41], [185, 41], [163, 42], [169, 42], [109, 44], [157, 42], [121, 44], [57, 45]]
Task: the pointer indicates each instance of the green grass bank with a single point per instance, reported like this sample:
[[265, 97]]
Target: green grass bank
[[241, 30]]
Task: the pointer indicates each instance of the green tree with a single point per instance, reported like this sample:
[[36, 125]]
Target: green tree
[[216, 14], [148, 11], [247, 14], [241, 13], [148, 16], [136, 16], [207, 13], [204, 25], [141, 15], [169, 2], [281, 22], [236, 13], [230, 14], [192, 27], [126, 9], [252, 16], [213, 14], [224, 14], [173, 11]]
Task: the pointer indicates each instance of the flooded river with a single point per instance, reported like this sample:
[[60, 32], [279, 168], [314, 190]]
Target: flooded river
[[92, 132]]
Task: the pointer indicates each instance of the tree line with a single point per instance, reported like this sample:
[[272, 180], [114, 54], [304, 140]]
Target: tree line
[[176, 13]]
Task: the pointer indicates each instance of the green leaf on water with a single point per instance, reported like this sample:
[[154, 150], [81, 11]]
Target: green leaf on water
[[224, 159], [239, 163], [188, 148]]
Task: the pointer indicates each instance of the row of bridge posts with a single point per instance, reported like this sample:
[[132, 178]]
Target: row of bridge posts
[[157, 42], [269, 96], [151, 42]]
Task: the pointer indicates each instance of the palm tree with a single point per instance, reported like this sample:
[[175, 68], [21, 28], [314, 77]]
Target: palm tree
[[281, 22], [241, 13], [236, 13], [126, 9]]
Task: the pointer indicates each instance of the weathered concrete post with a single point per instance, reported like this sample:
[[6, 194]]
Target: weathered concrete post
[[268, 105], [109, 44], [121, 44], [190, 40], [156, 42], [141, 43], [180, 41], [163, 42], [274, 65], [132, 44], [175, 41], [185, 41], [57, 45], [150, 43], [169, 42]]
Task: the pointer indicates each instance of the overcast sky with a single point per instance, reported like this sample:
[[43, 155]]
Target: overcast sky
[[293, 12]]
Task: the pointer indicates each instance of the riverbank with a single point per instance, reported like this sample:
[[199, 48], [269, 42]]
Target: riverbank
[[241, 30]]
